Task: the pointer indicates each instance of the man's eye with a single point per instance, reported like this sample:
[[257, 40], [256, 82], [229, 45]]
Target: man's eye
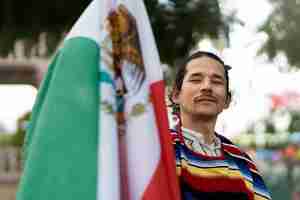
[[195, 80], [219, 82]]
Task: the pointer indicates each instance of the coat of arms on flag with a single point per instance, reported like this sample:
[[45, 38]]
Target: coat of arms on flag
[[123, 56]]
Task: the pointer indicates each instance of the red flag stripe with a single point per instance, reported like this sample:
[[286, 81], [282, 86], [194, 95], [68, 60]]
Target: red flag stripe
[[163, 187]]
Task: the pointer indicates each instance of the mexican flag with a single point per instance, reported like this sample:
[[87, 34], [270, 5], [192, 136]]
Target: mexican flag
[[99, 128]]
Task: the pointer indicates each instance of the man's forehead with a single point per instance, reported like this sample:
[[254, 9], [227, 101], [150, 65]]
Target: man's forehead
[[204, 66]]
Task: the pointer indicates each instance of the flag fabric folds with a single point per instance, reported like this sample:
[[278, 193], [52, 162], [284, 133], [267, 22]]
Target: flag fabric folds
[[99, 127]]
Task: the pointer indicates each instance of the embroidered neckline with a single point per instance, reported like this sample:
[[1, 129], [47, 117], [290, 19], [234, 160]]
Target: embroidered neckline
[[195, 141]]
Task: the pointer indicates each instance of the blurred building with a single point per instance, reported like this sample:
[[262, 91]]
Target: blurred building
[[22, 71]]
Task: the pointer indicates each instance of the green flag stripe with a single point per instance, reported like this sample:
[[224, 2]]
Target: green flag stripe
[[61, 161], [37, 107]]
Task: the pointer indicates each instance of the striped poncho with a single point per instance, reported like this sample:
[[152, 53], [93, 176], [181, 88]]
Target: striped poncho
[[233, 175]]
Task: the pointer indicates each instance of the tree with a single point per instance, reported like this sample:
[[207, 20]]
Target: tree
[[178, 24], [282, 28], [18, 138], [295, 122], [27, 20]]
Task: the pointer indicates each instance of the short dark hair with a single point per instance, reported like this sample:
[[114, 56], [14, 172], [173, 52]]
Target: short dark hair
[[198, 54]]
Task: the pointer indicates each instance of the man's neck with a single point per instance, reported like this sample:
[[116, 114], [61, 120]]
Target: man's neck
[[203, 126]]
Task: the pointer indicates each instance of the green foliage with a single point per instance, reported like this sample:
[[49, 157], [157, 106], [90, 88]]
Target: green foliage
[[282, 28], [180, 24], [27, 20], [18, 138], [295, 123], [177, 24], [5, 139]]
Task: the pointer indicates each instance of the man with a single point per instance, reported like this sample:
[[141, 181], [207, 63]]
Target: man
[[209, 166]]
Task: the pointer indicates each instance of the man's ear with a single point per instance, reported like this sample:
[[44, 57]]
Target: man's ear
[[228, 100]]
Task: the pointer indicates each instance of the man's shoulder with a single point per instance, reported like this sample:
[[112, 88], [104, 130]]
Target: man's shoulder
[[230, 147], [235, 151]]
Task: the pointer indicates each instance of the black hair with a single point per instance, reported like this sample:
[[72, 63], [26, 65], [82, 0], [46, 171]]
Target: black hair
[[181, 71]]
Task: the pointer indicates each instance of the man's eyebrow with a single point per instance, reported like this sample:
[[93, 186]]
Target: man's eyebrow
[[196, 74], [217, 76]]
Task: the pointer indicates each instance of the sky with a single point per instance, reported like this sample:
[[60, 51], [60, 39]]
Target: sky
[[252, 78], [15, 101]]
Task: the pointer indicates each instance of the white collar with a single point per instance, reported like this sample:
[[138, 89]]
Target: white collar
[[199, 138]]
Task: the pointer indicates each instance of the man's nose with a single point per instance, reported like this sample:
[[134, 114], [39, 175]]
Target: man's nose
[[206, 84]]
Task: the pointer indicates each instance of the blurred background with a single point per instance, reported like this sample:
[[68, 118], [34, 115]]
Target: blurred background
[[260, 39]]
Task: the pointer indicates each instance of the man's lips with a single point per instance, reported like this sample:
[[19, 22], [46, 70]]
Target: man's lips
[[205, 98]]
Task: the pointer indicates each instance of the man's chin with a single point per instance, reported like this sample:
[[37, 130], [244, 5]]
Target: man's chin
[[205, 114]]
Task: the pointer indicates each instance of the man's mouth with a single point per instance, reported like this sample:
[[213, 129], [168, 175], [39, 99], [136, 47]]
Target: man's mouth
[[205, 99]]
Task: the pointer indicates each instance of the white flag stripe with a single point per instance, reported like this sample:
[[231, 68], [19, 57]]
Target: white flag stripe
[[108, 149], [143, 146], [142, 143], [150, 54], [148, 47], [144, 152], [91, 22]]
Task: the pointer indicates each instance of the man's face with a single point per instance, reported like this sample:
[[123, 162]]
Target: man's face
[[203, 91]]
